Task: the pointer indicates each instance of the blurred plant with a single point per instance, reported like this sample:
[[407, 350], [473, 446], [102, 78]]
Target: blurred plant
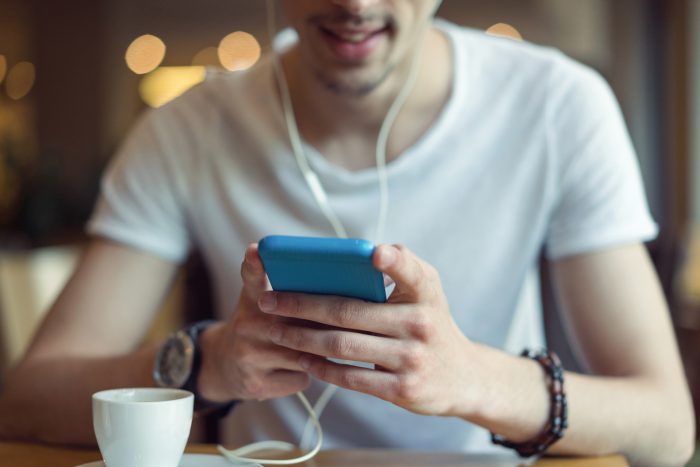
[[9, 182], [17, 157], [43, 198]]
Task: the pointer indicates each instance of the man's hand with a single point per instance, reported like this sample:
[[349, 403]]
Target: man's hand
[[418, 350], [239, 360]]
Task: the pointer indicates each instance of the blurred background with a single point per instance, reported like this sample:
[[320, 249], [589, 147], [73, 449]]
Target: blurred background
[[74, 76]]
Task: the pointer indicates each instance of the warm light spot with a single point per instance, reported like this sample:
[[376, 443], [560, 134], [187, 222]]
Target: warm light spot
[[166, 83], [3, 67], [505, 30], [238, 51], [145, 54], [207, 57], [20, 80]]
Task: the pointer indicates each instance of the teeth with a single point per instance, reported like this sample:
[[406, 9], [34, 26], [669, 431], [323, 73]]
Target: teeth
[[350, 36], [354, 37]]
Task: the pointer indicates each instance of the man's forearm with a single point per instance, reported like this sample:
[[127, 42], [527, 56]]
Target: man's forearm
[[50, 399], [648, 423]]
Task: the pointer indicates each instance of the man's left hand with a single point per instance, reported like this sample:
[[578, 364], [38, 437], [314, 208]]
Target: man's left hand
[[423, 362]]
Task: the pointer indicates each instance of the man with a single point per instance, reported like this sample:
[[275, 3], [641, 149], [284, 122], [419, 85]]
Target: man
[[500, 151]]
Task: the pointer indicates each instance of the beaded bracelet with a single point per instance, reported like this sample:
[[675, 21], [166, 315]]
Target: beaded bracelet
[[558, 413]]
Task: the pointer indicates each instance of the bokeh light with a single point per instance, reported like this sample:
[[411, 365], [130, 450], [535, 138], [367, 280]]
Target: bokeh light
[[208, 56], [145, 54], [3, 67], [166, 83], [239, 51], [505, 30], [20, 80]]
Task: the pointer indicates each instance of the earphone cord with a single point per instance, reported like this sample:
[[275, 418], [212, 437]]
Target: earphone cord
[[319, 193], [381, 150], [310, 176], [238, 456]]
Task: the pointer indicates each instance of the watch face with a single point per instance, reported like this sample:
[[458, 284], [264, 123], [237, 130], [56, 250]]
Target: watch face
[[174, 361]]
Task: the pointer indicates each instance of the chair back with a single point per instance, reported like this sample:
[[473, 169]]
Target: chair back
[[30, 280]]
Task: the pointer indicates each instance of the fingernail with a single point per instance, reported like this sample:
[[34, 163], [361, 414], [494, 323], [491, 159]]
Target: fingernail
[[275, 334], [388, 280], [267, 302], [305, 362], [387, 255]]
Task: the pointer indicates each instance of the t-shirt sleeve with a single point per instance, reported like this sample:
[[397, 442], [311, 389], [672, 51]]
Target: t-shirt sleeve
[[600, 200], [141, 202]]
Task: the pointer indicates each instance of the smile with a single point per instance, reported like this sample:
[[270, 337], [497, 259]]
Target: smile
[[354, 35], [353, 44]]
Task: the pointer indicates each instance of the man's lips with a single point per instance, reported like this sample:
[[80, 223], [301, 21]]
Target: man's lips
[[353, 43], [351, 34]]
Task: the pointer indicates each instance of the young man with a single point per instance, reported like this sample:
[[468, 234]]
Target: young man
[[501, 151]]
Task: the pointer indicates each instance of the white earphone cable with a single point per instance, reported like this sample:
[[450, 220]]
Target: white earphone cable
[[383, 140], [310, 176], [239, 455]]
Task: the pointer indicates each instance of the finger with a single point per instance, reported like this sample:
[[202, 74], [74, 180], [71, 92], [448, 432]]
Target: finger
[[253, 273], [340, 312], [275, 357], [381, 384], [281, 383], [408, 271], [344, 345]]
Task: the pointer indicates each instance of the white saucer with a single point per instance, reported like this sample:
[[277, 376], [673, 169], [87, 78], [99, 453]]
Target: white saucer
[[190, 460]]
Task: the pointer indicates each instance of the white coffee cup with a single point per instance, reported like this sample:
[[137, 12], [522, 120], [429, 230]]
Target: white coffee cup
[[142, 427]]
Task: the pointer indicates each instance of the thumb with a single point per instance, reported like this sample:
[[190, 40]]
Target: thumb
[[407, 270], [253, 274]]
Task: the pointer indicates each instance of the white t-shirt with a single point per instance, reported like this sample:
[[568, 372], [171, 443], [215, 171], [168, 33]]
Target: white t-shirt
[[530, 154]]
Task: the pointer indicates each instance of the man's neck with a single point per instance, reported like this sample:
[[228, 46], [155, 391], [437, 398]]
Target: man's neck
[[344, 128]]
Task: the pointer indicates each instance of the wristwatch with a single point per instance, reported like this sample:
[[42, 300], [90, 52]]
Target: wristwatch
[[179, 361]]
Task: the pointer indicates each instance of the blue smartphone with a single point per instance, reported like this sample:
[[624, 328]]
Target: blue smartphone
[[322, 265]]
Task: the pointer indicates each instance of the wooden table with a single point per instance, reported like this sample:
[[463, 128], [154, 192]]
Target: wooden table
[[34, 455]]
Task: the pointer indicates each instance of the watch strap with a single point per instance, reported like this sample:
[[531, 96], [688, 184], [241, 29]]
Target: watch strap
[[201, 404]]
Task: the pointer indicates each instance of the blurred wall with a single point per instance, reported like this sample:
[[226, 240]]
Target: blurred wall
[[15, 30], [695, 108], [17, 128], [185, 26]]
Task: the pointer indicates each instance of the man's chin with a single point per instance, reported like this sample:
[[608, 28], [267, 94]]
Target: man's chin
[[351, 86]]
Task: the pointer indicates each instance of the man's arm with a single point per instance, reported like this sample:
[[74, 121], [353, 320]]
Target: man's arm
[[87, 342], [620, 327], [636, 402], [90, 338]]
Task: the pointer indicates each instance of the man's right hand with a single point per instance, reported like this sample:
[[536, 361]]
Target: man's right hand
[[238, 359]]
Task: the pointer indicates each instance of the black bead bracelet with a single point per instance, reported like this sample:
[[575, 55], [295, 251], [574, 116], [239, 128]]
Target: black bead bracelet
[[558, 412]]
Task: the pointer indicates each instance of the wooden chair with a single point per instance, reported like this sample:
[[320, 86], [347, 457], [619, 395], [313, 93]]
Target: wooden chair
[[30, 281]]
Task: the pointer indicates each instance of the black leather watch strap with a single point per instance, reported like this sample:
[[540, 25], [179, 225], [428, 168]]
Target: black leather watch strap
[[201, 404]]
